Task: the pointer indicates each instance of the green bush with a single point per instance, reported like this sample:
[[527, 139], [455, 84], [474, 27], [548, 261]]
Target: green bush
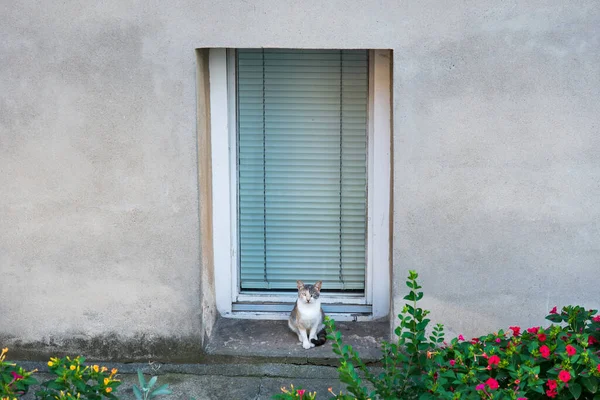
[[73, 380], [560, 361], [76, 381]]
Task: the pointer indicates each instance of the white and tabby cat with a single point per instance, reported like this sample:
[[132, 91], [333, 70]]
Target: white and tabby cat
[[306, 319]]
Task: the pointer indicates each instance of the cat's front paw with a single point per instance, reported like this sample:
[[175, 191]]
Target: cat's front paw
[[307, 345]]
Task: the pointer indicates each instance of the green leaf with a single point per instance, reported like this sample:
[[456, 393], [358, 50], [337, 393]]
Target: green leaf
[[575, 389], [554, 318], [141, 379], [591, 384], [137, 393], [152, 382], [161, 390], [423, 324]]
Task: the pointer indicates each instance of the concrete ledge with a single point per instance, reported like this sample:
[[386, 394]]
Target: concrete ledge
[[271, 341]]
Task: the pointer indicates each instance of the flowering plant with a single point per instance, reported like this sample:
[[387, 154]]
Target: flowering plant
[[14, 380], [76, 381], [295, 394], [560, 361]]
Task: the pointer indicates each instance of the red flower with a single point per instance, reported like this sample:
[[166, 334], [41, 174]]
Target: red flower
[[516, 330], [475, 340], [542, 337], [301, 393], [551, 384], [493, 360], [461, 337], [596, 318], [16, 376], [452, 362], [492, 383], [591, 340], [571, 350], [564, 376], [553, 311], [552, 393], [545, 351], [598, 367], [534, 329]]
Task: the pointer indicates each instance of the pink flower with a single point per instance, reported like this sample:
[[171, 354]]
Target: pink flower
[[534, 329], [481, 386], [516, 330], [16, 376], [598, 367], [545, 351], [553, 311], [551, 384], [498, 340], [453, 362], [493, 360], [521, 398], [571, 350], [461, 338], [564, 376], [542, 337], [492, 383], [552, 393], [596, 318], [301, 393]]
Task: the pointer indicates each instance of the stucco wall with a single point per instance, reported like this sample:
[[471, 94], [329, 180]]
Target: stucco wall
[[496, 158]]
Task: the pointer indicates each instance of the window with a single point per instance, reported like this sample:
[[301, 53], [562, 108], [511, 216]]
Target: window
[[301, 182]]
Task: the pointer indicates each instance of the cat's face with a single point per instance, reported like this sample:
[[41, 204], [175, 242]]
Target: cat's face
[[309, 293]]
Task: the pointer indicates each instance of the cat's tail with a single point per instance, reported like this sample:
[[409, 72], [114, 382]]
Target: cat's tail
[[321, 338]]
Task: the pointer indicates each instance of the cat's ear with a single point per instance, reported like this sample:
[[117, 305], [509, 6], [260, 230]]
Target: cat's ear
[[300, 284], [318, 285]]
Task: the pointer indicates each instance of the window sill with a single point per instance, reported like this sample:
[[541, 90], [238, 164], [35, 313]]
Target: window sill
[[272, 341]]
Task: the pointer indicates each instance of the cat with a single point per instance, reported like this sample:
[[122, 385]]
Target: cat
[[306, 319]]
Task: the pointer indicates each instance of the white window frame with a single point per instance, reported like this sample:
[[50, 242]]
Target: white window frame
[[224, 193]]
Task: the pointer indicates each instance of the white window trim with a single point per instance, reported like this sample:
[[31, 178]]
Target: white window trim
[[224, 192]]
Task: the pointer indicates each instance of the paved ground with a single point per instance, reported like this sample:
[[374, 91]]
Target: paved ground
[[251, 360], [219, 381]]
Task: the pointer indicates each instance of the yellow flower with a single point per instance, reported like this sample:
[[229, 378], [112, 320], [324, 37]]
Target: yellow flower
[[50, 363], [72, 368], [103, 369], [113, 371], [108, 389], [96, 368], [106, 381]]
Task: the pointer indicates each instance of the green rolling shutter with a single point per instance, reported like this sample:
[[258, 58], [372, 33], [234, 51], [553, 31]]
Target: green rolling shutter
[[302, 167]]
